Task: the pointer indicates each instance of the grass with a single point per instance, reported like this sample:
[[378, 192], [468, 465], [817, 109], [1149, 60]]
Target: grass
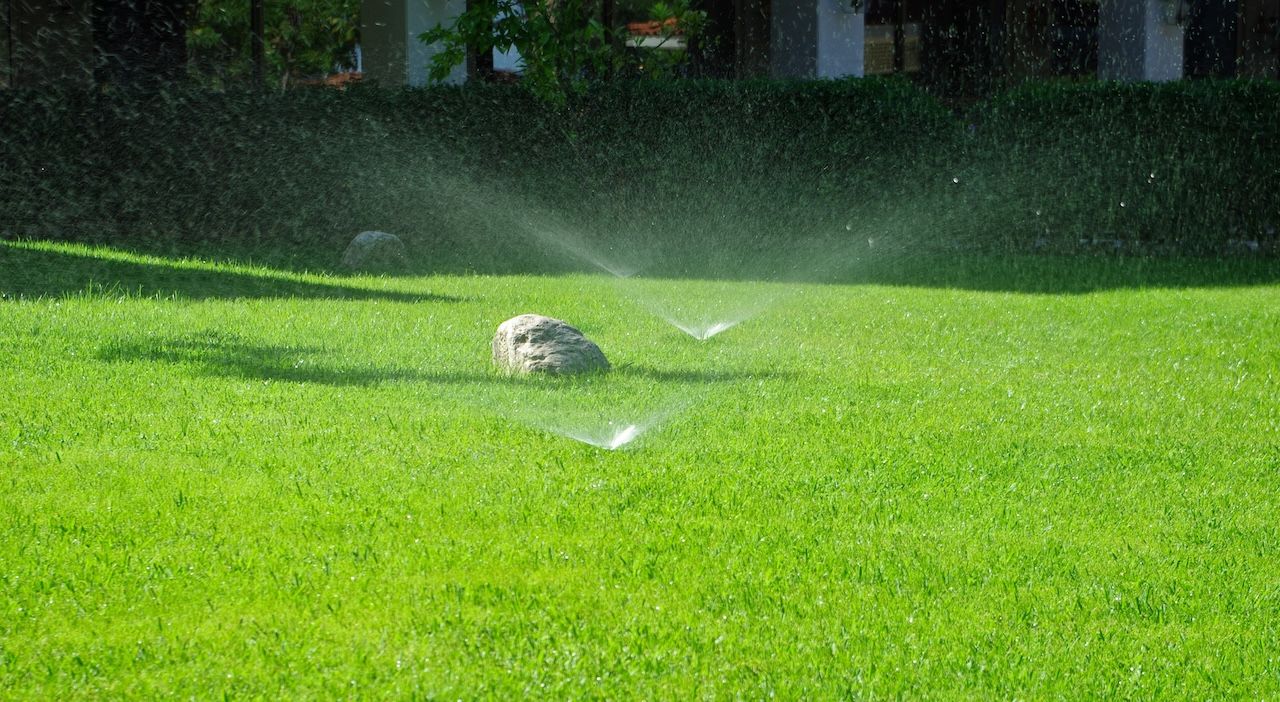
[[980, 478]]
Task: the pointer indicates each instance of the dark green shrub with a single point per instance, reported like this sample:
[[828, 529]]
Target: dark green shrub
[[693, 169], [1195, 163]]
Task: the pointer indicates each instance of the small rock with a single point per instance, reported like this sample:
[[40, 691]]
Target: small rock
[[532, 343], [375, 251]]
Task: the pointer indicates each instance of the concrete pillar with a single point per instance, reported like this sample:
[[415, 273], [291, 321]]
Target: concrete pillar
[[392, 52], [841, 39], [817, 39], [1139, 40]]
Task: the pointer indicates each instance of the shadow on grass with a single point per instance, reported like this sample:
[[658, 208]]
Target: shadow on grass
[[1094, 269], [1057, 274], [32, 271], [922, 264], [227, 355], [1022, 272], [44, 270]]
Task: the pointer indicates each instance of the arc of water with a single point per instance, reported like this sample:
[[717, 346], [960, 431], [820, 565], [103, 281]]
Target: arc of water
[[610, 442], [611, 438]]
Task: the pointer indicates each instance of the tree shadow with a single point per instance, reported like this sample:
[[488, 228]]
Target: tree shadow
[[59, 271], [1058, 274], [1021, 272], [228, 355], [31, 271]]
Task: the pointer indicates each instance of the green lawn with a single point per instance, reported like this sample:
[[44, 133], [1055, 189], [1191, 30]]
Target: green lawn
[[980, 478]]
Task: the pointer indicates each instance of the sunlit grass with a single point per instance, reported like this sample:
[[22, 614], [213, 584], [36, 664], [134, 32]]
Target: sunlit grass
[[985, 478]]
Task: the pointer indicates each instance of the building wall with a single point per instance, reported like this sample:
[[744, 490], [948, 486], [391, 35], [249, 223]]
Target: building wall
[[1140, 40], [841, 40], [1120, 37], [424, 15], [389, 29], [816, 39], [1164, 42], [883, 20]]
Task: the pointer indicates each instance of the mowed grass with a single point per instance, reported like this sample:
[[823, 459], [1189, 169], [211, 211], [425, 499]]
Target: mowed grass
[[220, 481]]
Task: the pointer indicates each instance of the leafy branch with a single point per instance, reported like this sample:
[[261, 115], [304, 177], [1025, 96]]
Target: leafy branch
[[564, 45]]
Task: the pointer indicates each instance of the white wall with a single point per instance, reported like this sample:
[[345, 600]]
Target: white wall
[[841, 40], [1138, 41], [392, 52], [509, 60], [424, 15], [816, 39], [1163, 45]]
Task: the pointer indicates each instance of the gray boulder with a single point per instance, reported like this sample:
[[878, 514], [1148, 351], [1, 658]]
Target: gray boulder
[[375, 251], [532, 343]]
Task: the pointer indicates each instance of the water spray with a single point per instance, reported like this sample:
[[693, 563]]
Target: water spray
[[611, 442]]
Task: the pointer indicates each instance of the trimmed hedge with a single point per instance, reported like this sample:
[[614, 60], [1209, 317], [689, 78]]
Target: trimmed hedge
[[457, 172], [1195, 163]]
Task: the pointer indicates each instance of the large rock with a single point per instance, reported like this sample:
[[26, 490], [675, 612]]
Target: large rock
[[375, 251], [532, 343]]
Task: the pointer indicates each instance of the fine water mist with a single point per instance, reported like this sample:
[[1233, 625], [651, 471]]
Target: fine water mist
[[614, 434], [619, 438], [701, 309], [610, 411], [610, 425]]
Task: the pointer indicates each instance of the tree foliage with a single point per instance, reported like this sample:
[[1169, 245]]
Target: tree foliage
[[563, 44], [302, 38]]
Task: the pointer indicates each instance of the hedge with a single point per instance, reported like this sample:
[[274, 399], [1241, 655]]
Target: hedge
[[1195, 164], [462, 173]]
